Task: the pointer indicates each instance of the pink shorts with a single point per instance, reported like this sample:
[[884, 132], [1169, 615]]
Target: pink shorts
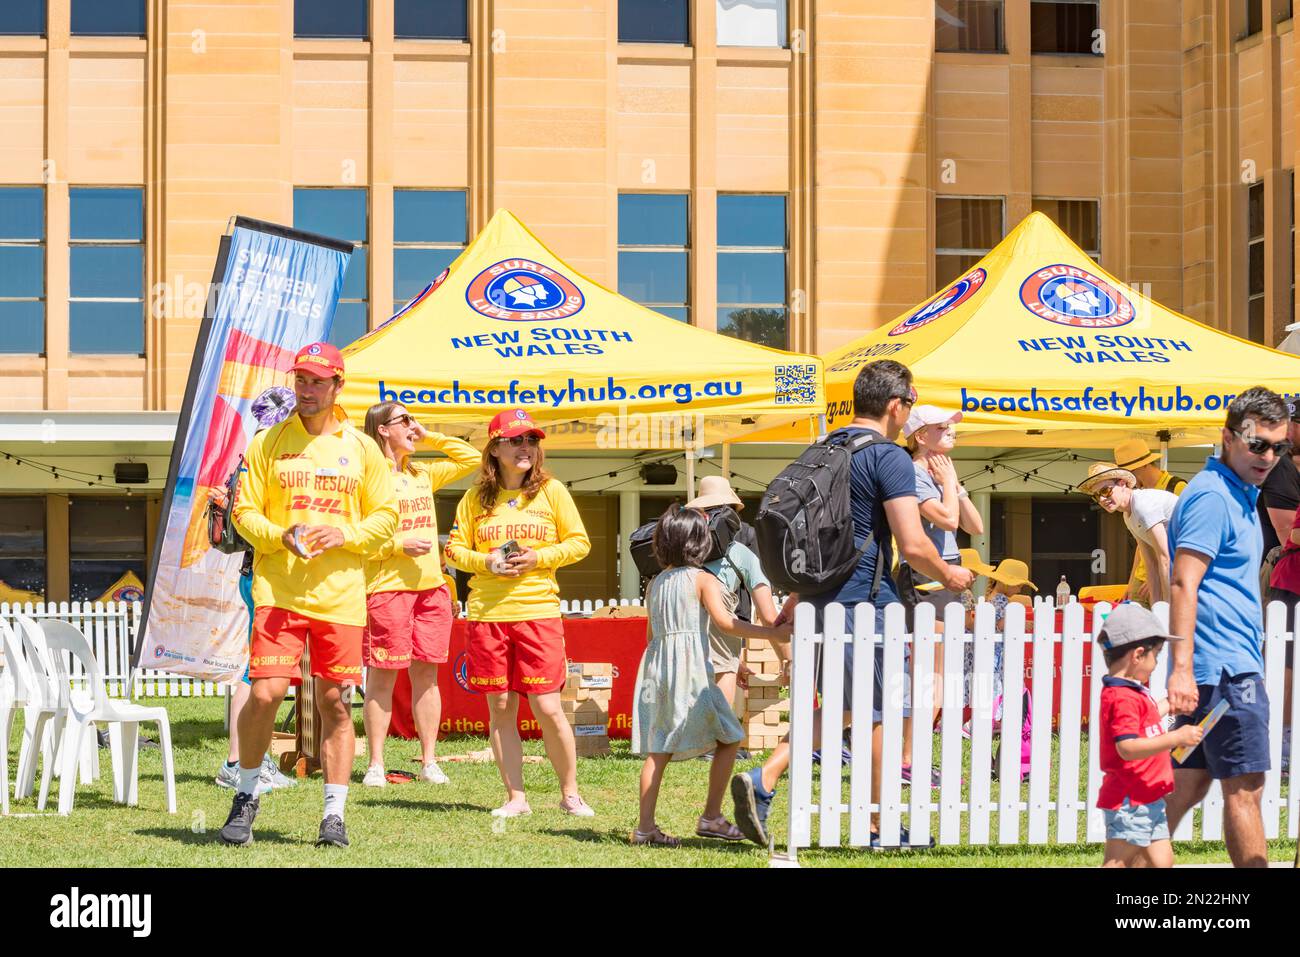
[[406, 626], [523, 656]]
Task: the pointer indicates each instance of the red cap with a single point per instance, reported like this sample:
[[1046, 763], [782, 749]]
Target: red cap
[[505, 425], [319, 359]]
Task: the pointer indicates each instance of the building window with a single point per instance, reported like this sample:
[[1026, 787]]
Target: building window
[[1062, 26], [341, 213], [22, 269], [1078, 219], [106, 276], [1255, 265], [331, 19], [654, 251], [1254, 17], [431, 20], [968, 26], [751, 269], [106, 540], [23, 18], [965, 230], [107, 18], [751, 23], [22, 544], [430, 229], [654, 21]]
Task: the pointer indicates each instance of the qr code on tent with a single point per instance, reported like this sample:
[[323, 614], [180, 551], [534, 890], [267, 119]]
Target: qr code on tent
[[796, 385]]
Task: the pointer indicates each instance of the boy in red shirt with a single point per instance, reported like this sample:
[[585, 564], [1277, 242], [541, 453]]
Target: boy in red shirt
[[1134, 745]]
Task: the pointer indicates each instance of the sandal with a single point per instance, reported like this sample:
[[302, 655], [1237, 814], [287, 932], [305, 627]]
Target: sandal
[[654, 838], [718, 829]]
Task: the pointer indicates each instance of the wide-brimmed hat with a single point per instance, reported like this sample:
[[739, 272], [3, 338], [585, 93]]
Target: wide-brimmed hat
[[1012, 571], [715, 490], [1099, 472], [1133, 454], [970, 558]]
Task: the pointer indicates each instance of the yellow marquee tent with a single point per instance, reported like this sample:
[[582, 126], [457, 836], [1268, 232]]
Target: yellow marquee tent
[[1039, 346], [510, 324]]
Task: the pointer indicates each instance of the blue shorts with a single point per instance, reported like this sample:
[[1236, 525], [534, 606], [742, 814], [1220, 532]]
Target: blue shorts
[[1138, 825], [877, 672], [246, 593], [1238, 744]]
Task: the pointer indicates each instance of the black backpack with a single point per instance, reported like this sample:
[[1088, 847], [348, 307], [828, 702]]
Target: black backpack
[[222, 534], [724, 526], [805, 522]]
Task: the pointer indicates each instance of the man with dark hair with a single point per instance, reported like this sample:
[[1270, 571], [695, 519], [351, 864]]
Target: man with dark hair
[[883, 503], [1215, 536]]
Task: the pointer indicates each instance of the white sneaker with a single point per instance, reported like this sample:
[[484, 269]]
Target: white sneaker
[[376, 777], [433, 774]]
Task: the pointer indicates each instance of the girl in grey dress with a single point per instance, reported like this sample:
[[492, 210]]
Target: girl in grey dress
[[679, 711]]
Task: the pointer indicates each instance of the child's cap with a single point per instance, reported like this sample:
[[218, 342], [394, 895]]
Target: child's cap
[[1130, 623]]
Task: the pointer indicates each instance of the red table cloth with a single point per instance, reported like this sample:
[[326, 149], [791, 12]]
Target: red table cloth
[[619, 641]]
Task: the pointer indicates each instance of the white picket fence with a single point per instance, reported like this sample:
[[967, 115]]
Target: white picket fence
[[1052, 792], [111, 628]]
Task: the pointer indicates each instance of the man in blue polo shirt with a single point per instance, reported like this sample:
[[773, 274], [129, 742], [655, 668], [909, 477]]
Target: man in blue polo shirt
[[1216, 539]]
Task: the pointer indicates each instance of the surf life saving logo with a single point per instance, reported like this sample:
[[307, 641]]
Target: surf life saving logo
[[952, 297], [1075, 297], [461, 673], [520, 290]]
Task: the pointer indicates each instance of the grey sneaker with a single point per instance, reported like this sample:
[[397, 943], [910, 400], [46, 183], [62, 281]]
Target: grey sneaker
[[271, 777], [239, 826], [332, 832], [228, 776]]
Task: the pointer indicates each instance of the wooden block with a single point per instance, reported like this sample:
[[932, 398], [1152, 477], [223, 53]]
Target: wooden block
[[771, 717], [586, 712]]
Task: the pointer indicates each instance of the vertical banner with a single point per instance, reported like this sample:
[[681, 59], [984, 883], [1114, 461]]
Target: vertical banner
[[275, 290]]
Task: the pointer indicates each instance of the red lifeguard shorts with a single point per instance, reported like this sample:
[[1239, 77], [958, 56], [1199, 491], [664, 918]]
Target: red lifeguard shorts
[[406, 626], [279, 637], [523, 656]]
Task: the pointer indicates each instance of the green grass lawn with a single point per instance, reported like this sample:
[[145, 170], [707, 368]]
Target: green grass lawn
[[426, 825]]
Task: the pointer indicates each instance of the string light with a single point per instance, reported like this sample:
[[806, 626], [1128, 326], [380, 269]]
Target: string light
[[66, 474]]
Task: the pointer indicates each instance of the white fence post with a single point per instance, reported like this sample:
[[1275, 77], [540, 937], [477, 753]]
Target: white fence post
[[861, 743], [832, 725], [803, 681], [981, 704], [1073, 641]]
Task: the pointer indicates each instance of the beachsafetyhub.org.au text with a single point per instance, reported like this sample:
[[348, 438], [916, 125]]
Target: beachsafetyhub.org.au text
[[1099, 400]]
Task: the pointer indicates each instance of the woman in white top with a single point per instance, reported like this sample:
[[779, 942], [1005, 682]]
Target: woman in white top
[[1146, 512]]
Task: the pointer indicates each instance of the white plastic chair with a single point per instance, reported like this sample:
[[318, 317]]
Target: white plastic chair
[[60, 637], [41, 708], [44, 718], [16, 694]]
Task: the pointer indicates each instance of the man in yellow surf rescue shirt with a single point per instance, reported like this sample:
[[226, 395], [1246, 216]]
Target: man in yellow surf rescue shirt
[[316, 498]]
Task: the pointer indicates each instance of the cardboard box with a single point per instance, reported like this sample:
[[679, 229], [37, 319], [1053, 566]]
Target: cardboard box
[[591, 745]]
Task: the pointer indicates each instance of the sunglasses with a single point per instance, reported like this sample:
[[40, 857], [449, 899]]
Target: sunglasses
[[405, 419], [518, 440], [1260, 446]]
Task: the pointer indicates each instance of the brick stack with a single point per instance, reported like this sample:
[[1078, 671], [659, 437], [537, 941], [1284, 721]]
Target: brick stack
[[585, 700], [766, 713]]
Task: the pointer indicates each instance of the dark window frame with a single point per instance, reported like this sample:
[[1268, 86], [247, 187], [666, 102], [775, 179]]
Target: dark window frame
[[1257, 247], [362, 245], [970, 252], [424, 244], [999, 46], [144, 21], [784, 250], [1095, 253], [1061, 28], [31, 242], [365, 19], [684, 249], [686, 39], [448, 38], [101, 243]]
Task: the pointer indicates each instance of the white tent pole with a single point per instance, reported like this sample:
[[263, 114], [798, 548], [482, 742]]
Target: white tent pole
[[690, 474], [1164, 455], [726, 461]]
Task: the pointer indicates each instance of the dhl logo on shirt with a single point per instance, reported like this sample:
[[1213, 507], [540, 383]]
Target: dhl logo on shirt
[[418, 521], [329, 506]]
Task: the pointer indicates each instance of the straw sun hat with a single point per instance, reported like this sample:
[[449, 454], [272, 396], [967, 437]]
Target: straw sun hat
[[970, 558], [1099, 472], [1012, 571]]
